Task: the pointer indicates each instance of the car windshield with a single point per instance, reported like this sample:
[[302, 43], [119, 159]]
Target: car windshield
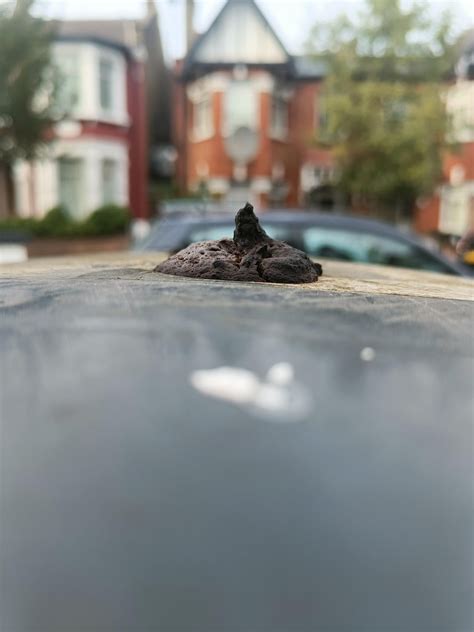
[[346, 245]]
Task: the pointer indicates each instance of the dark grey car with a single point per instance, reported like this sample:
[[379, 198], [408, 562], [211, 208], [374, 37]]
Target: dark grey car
[[340, 237]]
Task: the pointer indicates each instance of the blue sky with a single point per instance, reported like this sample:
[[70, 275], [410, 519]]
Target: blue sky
[[291, 18]]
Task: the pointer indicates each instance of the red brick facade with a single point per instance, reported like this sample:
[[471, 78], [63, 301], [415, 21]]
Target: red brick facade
[[245, 112], [277, 160]]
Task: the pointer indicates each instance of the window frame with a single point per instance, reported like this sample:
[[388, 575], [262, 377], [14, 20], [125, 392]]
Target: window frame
[[106, 162], [251, 118], [67, 61], [106, 60], [203, 126], [279, 116], [76, 212]]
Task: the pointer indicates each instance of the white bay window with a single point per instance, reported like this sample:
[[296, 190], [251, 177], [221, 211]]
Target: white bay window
[[93, 82]]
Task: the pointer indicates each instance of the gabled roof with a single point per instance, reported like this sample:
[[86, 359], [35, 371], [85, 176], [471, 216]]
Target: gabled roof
[[240, 34]]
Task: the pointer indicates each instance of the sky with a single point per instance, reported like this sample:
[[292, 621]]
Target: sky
[[291, 19]]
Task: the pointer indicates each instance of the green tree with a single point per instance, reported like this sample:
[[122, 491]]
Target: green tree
[[382, 111], [26, 84]]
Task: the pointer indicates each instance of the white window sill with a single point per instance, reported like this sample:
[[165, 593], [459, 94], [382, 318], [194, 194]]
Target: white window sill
[[115, 118], [121, 119]]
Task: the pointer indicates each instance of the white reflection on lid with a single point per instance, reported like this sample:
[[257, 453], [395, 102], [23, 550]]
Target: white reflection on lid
[[277, 397]]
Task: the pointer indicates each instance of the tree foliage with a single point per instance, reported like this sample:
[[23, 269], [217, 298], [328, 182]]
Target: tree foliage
[[26, 81], [382, 110]]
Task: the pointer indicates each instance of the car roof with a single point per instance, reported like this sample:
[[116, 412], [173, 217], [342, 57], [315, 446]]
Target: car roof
[[178, 225], [335, 219]]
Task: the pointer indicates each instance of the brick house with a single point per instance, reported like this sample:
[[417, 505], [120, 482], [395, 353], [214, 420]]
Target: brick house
[[245, 112], [451, 210], [98, 153]]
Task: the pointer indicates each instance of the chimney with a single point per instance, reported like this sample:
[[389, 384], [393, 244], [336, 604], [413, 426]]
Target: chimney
[[189, 24], [150, 9]]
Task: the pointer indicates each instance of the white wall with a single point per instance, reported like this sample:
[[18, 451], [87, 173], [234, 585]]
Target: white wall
[[456, 208]]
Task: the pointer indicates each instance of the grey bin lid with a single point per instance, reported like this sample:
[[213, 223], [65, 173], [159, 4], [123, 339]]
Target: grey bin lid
[[131, 501]]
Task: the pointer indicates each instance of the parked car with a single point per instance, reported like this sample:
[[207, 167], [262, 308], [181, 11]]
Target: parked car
[[341, 237], [465, 250]]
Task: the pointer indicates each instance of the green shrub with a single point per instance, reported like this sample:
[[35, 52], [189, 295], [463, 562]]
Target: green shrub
[[21, 224], [56, 223], [107, 220]]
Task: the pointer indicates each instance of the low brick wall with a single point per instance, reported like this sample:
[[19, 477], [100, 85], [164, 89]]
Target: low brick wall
[[51, 247]]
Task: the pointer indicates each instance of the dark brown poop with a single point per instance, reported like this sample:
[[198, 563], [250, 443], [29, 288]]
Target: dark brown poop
[[250, 256]]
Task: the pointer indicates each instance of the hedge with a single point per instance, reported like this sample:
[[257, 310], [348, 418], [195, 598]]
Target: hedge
[[109, 219]]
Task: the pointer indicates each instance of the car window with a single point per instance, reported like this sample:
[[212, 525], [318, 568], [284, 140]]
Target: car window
[[368, 248], [165, 236], [203, 233]]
